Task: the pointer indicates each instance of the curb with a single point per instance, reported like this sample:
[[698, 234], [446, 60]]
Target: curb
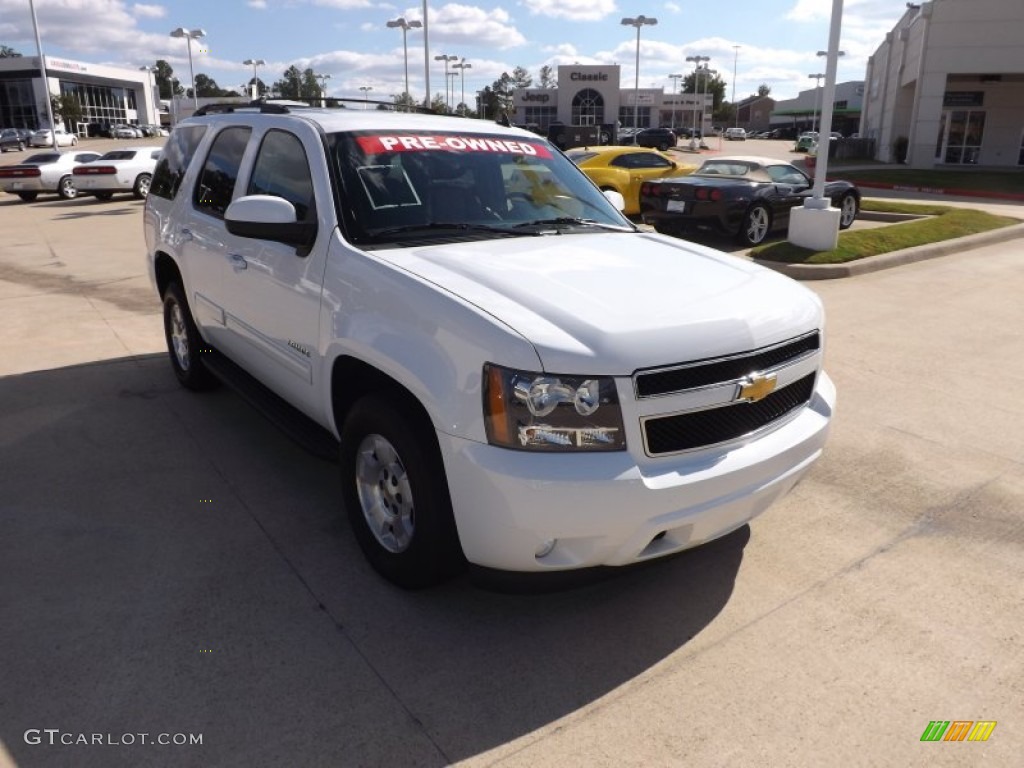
[[894, 259], [952, 192]]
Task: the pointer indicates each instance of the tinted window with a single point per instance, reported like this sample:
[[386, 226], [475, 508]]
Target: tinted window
[[119, 154], [641, 160], [282, 170], [216, 184], [177, 155]]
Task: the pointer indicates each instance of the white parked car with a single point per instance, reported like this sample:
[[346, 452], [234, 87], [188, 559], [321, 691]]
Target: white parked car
[[509, 372], [125, 131], [45, 172], [121, 170], [735, 134], [44, 138]]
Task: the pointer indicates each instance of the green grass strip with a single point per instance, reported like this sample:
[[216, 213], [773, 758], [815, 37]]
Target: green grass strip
[[955, 222], [979, 181]]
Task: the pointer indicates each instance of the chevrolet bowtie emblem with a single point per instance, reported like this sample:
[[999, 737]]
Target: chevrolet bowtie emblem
[[756, 387]]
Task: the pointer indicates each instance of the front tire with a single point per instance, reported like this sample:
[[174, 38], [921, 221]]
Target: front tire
[[396, 495], [67, 189], [848, 210], [757, 223], [103, 195], [184, 345], [141, 188]]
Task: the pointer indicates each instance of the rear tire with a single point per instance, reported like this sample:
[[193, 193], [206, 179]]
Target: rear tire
[[757, 223], [396, 495], [28, 197], [141, 188], [184, 345], [103, 195], [67, 189]]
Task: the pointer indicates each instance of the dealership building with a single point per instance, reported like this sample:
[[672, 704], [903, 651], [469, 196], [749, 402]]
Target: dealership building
[[107, 94], [593, 95], [946, 87]]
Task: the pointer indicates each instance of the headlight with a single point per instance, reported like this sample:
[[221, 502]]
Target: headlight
[[531, 411]]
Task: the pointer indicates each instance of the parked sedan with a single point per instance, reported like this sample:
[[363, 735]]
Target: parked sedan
[[624, 169], [121, 170], [44, 173], [11, 140], [125, 131], [748, 197], [806, 141], [43, 138]]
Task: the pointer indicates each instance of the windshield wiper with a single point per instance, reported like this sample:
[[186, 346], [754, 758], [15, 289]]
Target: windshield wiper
[[571, 221], [435, 226]]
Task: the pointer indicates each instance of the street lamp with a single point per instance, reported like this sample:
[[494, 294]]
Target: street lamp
[[445, 58], [451, 79], [255, 78], [190, 35], [152, 97], [462, 66], [323, 87], [696, 68], [405, 26], [817, 86], [735, 61], [366, 98], [675, 83], [638, 22], [704, 100]]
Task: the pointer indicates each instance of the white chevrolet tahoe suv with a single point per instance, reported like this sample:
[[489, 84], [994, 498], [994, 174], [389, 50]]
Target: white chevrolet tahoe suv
[[510, 372]]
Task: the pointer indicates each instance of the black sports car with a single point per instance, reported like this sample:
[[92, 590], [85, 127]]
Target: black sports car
[[747, 197]]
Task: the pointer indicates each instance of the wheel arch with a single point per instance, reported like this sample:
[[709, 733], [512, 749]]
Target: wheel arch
[[166, 271]]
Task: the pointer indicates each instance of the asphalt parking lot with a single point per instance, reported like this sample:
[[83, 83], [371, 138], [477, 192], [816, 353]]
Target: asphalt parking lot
[[172, 564]]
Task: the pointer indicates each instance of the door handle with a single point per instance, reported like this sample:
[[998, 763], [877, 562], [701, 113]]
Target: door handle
[[238, 263]]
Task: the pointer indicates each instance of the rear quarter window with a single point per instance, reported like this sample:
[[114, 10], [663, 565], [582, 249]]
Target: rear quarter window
[[178, 153]]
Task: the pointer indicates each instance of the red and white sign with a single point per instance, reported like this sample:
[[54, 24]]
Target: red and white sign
[[419, 143]]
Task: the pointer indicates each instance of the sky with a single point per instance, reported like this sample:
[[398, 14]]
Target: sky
[[349, 39]]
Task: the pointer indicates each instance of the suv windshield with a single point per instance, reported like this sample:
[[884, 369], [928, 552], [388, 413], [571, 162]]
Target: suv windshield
[[400, 187]]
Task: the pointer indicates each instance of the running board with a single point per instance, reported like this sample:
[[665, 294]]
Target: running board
[[297, 425]]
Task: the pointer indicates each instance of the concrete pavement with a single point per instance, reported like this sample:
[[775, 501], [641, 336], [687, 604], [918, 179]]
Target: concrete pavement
[[170, 563]]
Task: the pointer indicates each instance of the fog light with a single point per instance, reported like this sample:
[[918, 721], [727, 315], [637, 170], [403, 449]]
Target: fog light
[[545, 549]]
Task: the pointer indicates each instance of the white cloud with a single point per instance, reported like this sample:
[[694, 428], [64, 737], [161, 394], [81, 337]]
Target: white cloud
[[343, 4], [468, 24], [149, 11], [257, 4], [576, 10], [673, 8]]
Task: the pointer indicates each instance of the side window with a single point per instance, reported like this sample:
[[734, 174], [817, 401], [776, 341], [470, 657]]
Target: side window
[[282, 170], [651, 160], [216, 184], [177, 154], [624, 161]]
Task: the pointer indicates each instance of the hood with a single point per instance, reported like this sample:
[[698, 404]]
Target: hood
[[610, 303]]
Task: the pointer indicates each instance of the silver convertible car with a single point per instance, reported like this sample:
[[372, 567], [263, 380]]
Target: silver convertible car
[[45, 173]]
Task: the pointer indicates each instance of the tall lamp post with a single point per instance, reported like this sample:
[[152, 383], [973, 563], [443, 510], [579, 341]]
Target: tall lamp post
[[817, 89], [462, 66], [823, 54], [735, 61], [323, 87], [405, 26], [638, 22], [703, 102], [446, 58], [366, 98], [696, 70], [255, 78], [190, 35], [42, 71], [153, 97], [675, 83]]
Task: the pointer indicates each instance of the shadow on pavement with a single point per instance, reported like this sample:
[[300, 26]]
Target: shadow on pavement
[[173, 563]]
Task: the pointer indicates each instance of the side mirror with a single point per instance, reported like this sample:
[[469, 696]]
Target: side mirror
[[266, 217], [616, 199]]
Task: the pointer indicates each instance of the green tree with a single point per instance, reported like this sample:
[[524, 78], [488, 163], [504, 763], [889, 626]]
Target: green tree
[[548, 78], [521, 78], [438, 104], [67, 108], [261, 87], [712, 84], [309, 88], [763, 89], [206, 87], [500, 96], [163, 75], [404, 102], [290, 84], [6, 52]]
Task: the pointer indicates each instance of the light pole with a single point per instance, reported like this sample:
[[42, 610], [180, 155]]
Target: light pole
[[366, 98], [323, 87], [823, 54], [42, 71], [446, 58], [255, 78], [405, 26], [190, 35], [704, 100], [451, 79], [817, 86], [462, 66], [638, 22], [735, 61], [696, 69], [152, 97], [675, 83], [426, 57]]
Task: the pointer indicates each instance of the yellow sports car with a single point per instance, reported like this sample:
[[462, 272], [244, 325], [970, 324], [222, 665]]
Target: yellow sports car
[[625, 168]]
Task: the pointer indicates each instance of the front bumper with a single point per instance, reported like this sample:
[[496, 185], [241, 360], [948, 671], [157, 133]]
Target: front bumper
[[609, 508]]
